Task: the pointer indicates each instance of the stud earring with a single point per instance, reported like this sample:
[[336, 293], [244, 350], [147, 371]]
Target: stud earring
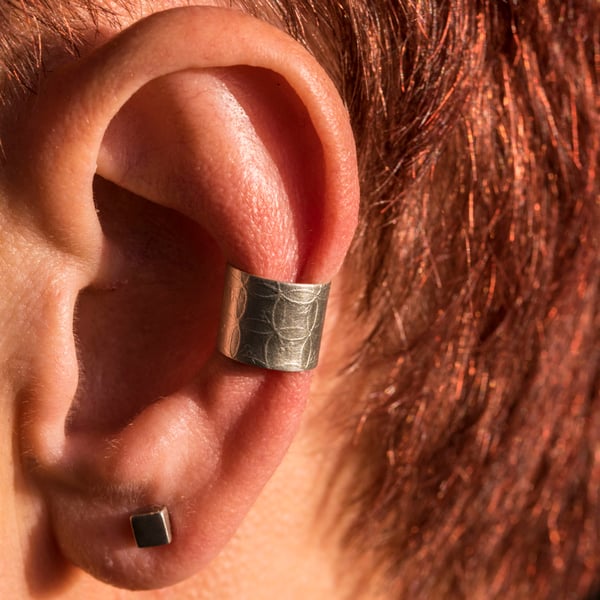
[[152, 527]]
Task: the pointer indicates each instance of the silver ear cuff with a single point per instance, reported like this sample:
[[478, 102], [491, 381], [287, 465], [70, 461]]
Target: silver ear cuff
[[151, 528], [272, 324]]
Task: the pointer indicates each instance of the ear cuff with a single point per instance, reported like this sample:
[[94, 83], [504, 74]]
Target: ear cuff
[[272, 324]]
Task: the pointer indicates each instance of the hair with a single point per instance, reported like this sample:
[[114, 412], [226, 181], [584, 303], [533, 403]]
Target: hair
[[471, 433]]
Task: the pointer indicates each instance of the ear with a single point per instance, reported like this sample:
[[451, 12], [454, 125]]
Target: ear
[[197, 137]]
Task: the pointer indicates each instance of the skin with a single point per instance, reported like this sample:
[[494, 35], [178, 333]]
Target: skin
[[233, 451]]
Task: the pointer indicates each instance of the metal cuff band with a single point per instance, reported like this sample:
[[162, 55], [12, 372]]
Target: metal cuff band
[[272, 324]]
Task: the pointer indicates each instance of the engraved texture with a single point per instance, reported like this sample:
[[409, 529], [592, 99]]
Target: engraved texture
[[271, 324]]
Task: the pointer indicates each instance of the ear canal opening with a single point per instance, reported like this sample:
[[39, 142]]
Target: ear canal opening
[[145, 331]]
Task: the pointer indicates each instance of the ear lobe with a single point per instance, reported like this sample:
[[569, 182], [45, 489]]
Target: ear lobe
[[239, 146]]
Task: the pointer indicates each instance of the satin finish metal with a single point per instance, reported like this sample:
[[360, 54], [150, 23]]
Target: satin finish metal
[[272, 324]]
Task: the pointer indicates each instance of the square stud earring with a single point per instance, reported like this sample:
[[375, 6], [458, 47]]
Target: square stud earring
[[151, 528]]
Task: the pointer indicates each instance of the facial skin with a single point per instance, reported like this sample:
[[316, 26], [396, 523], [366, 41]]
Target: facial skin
[[112, 394]]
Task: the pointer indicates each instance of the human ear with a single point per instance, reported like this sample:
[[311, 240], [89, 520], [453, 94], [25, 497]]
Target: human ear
[[197, 137]]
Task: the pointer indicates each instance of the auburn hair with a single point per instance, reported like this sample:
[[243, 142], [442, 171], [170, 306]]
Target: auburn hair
[[471, 413], [474, 443]]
